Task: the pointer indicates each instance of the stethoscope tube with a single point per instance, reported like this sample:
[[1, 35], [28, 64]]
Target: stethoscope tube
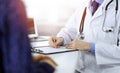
[[108, 5], [116, 8], [111, 29], [116, 5]]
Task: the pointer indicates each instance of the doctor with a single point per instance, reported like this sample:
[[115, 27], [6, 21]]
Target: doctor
[[98, 30]]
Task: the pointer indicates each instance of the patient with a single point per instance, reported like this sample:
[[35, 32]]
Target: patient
[[15, 53]]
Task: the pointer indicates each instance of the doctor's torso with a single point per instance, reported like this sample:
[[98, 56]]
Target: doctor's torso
[[93, 25], [107, 54]]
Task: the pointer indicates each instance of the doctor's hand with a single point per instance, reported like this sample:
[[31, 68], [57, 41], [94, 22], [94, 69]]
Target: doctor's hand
[[55, 42], [79, 45]]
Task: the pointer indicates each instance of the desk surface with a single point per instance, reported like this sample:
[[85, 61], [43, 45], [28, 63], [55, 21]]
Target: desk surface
[[66, 61]]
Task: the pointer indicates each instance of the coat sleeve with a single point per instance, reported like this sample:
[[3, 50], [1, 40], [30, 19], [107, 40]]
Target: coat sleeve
[[70, 31]]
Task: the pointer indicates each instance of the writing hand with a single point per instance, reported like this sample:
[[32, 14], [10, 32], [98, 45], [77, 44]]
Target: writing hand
[[55, 42]]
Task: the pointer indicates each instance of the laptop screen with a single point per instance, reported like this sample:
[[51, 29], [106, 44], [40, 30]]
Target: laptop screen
[[32, 28]]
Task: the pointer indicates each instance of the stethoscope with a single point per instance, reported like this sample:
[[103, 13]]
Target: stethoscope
[[104, 29], [112, 28]]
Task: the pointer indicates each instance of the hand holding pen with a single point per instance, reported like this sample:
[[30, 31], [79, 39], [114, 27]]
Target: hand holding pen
[[55, 42]]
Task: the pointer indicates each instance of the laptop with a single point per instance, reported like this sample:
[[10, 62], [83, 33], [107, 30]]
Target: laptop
[[33, 31], [32, 28]]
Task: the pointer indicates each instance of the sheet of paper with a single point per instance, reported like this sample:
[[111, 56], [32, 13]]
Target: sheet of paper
[[40, 44]]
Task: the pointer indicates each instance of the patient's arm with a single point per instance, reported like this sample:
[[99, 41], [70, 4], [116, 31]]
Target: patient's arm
[[44, 58]]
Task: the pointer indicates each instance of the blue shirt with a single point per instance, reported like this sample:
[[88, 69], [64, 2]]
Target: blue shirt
[[100, 1]]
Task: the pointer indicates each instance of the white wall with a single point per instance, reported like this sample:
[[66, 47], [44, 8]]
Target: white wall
[[51, 14]]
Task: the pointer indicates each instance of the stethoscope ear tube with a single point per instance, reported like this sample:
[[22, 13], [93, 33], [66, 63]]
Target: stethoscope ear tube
[[116, 8], [108, 5], [116, 5]]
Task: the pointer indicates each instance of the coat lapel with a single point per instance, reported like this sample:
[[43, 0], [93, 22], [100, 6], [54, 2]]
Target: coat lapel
[[100, 10]]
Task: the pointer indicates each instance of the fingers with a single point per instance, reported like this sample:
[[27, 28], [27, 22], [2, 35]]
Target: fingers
[[79, 45], [38, 58], [70, 46], [52, 41], [58, 43], [55, 42], [50, 61], [44, 58]]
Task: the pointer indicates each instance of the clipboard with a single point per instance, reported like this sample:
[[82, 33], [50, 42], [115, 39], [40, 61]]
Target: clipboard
[[43, 47], [50, 50]]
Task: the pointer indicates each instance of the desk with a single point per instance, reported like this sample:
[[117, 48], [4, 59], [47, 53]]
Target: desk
[[66, 61]]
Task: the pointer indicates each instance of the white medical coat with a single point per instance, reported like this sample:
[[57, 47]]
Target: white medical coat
[[107, 53]]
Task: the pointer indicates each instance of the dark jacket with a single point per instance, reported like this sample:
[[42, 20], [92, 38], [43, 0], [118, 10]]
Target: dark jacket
[[15, 54]]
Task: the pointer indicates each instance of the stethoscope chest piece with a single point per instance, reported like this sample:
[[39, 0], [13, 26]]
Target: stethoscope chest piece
[[108, 29]]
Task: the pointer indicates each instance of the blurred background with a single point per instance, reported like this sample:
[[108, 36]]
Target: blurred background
[[50, 15]]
